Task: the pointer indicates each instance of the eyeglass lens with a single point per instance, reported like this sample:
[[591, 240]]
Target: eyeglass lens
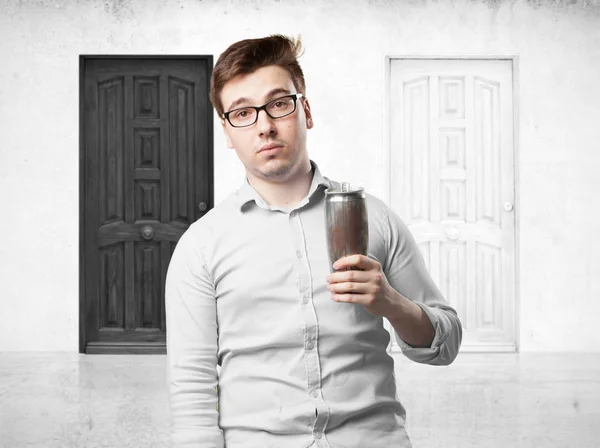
[[277, 108]]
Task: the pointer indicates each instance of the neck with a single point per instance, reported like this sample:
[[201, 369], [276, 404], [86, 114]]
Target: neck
[[286, 193]]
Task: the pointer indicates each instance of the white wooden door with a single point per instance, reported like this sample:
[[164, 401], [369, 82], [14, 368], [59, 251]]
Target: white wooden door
[[452, 181]]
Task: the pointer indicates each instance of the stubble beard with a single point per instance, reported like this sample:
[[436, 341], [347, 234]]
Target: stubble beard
[[277, 172]]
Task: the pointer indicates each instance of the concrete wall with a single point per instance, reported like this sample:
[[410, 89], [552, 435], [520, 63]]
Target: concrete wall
[[558, 44]]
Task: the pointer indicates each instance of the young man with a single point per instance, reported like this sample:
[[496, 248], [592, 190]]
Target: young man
[[302, 352]]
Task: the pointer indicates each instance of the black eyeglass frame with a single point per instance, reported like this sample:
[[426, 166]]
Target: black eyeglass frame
[[294, 96]]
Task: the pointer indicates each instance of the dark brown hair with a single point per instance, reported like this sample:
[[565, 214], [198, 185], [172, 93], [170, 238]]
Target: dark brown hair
[[247, 56]]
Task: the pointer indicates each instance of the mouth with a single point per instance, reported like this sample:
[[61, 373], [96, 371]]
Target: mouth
[[270, 148]]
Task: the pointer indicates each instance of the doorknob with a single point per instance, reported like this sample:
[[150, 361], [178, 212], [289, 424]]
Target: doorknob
[[452, 233], [202, 206], [147, 232]]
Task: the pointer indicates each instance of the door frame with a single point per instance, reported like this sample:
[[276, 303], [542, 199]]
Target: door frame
[[387, 158], [83, 59]]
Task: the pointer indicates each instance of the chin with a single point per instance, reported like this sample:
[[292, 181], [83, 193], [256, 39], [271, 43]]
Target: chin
[[277, 170]]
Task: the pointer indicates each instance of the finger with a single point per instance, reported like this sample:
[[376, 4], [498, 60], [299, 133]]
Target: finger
[[346, 262], [349, 276], [348, 298], [355, 261], [349, 288]]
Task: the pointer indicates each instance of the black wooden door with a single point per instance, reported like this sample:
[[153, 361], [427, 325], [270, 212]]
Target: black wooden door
[[146, 175]]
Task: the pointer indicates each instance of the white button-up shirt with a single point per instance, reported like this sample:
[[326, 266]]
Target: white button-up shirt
[[246, 290]]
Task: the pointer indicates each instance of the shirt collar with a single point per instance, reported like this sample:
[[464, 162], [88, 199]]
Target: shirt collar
[[247, 193]]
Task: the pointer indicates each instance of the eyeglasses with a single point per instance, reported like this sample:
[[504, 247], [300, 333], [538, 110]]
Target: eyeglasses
[[277, 108]]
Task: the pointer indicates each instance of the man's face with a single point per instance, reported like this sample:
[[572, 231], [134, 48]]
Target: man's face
[[288, 157]]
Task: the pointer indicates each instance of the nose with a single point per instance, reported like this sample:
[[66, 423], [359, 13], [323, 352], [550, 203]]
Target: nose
[[264, 124]]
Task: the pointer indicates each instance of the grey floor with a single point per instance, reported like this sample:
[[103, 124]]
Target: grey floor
[[52, 400]]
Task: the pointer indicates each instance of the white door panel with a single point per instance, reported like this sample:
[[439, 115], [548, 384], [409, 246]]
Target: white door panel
[[452, 181]]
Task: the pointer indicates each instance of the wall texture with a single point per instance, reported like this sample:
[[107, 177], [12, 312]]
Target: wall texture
[[558, 100]]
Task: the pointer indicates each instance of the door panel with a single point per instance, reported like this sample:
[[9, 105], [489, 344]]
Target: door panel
[[452, 157], [147, 150]]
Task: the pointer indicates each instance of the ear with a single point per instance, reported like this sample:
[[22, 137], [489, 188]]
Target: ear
[[308, 113], [226, 132]]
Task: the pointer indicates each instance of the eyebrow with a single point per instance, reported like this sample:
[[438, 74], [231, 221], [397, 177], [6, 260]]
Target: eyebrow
[[271, 94]]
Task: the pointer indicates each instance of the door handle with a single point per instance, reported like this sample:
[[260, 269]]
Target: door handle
[[452, 233], [147, 232]]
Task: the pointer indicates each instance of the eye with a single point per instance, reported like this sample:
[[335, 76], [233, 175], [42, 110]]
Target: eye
[[279, 104], [241, 113]]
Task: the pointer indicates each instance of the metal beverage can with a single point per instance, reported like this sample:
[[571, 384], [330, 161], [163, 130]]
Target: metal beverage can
[[347, 226]]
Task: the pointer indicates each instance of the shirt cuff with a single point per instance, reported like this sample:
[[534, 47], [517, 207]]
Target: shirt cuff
[[442, 350]]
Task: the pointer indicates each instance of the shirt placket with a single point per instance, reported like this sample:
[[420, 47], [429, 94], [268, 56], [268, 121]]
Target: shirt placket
[[311, 331]]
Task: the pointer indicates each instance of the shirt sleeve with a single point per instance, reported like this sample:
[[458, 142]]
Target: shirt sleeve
[[406, 272], [191, 319]]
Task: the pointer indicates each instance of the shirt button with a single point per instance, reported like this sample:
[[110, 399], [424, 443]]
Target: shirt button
[[318, 435], [299, 254], [293, 214], [314, 394], [305, 300], [310, 346]]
